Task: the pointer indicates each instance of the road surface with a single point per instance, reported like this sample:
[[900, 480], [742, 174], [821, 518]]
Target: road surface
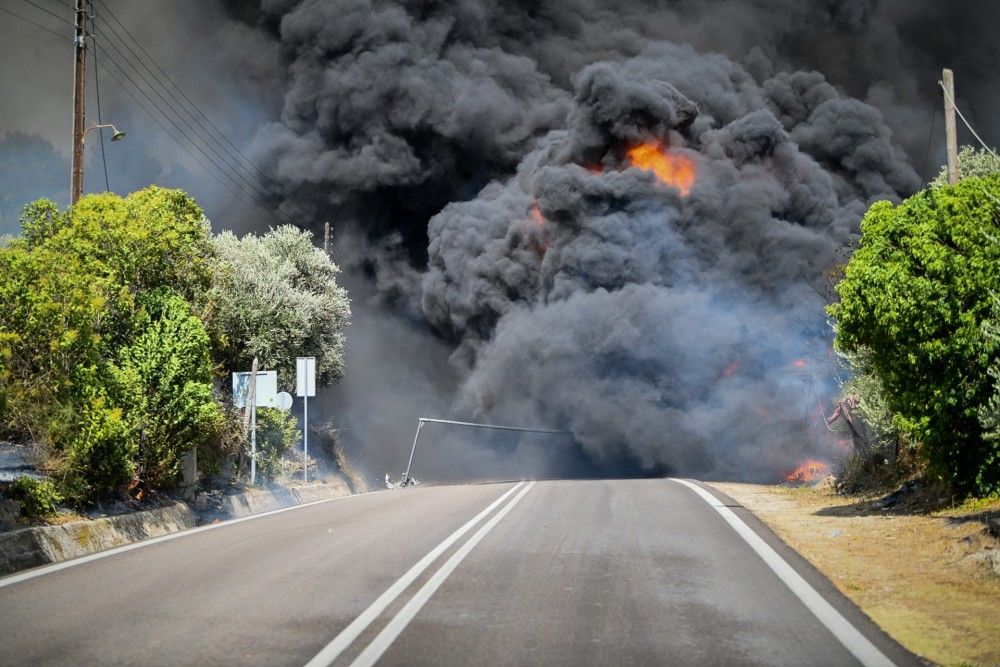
[[608, 572]]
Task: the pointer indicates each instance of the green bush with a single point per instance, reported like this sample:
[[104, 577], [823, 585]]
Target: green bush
[[104, 359], [38, 498], [916, 294], [989, 416], [162, 381], [277, 432]]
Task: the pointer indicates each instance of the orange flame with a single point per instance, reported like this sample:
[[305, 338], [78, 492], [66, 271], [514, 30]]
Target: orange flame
[[810, 471], [731, 369], [536, 215], [669, 167], [800, 364]]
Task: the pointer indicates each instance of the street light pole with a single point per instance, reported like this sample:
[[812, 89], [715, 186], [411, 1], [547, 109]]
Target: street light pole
[[79, 99]]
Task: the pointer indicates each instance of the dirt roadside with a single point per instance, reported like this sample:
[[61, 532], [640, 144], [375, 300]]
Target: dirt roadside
[[928, 579]]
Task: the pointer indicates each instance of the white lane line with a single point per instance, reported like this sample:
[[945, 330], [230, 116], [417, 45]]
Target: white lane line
[[384, 639], [55, 567], [331, 651], [855, 642]]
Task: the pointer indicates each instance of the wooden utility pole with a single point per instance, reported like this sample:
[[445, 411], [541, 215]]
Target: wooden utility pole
[[79, 99], [948, 82]]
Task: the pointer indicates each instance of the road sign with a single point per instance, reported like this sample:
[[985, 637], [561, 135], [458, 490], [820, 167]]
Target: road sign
[[305, 377], [284, 401], [266, 390]]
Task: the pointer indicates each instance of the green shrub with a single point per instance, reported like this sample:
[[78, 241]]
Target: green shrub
[[38, 498], [916, 294], [277, 432], [103, 357], [162, 382]]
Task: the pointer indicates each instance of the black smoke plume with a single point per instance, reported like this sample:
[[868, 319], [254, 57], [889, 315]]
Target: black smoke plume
[[478, 153]]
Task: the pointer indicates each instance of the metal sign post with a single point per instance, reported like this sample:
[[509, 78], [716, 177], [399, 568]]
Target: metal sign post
[[305, 386], [258, 389]]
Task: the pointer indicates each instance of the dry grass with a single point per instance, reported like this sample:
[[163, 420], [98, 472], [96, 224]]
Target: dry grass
[[913, 572]]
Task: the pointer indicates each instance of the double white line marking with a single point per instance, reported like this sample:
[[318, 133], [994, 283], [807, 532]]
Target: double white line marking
[[384, 639]]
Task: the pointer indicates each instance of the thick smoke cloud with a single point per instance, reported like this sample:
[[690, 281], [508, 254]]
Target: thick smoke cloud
[[645, 320], [472, 156], [478, 154]]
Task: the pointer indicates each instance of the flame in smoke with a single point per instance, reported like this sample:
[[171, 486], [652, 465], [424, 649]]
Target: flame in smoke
[[536, 215], [540, 237], [669, 167], [810, 471], [731, 369], [800, 364]]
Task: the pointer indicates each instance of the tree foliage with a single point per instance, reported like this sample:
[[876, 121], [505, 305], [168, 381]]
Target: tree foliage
[[972, 163], [100, 339], [276, 298], [916, 294]]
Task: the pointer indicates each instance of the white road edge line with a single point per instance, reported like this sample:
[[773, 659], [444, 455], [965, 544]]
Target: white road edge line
[[55, 567], [331, 651], [855, 642], [390, 632]]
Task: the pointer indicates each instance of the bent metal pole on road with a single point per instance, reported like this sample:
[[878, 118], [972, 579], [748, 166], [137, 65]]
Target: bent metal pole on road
[[450, 422]]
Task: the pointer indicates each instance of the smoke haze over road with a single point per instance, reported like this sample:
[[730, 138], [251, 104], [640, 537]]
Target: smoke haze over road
[[515, 262]]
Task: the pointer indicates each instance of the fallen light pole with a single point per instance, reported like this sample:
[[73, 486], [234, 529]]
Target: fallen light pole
[[495, 427]]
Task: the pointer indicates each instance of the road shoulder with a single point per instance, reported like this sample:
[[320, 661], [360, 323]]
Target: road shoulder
[[917, 576]]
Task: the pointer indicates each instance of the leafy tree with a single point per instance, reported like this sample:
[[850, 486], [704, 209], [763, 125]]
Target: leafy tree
[[99, 330], [972, 163], [276, 298], [989, 416], [162, 381], [916, 294]]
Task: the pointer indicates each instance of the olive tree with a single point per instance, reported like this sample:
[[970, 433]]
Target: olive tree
[[276, 298]]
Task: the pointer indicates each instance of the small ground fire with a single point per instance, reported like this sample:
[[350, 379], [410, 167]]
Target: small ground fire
[[808, 472]]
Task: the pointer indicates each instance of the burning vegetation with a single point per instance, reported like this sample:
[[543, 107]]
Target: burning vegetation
[[808, 472]]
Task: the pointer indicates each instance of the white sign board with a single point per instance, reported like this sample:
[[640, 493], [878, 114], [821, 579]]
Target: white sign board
[[266, 390], [305, 376], [284, 401]]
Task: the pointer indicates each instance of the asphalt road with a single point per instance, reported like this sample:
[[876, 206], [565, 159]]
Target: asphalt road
[[611, 572]]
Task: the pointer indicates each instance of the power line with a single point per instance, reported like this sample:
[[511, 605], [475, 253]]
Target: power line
[[215, 158], [233, 176], [235, 192], [233, 151], [959, 112], [37, 25], [97, 90], [50, 13]]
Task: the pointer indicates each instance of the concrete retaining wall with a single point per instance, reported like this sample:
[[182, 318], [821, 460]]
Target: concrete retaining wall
[[256, 501], [41, 545], [30, 547]]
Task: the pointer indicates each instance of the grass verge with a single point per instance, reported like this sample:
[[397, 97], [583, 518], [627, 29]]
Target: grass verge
[[916, 569]]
